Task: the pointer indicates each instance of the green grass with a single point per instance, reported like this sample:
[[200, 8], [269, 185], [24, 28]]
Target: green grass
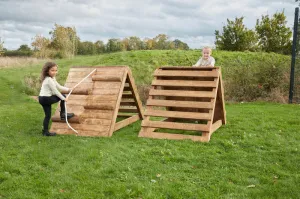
[[256, 155]]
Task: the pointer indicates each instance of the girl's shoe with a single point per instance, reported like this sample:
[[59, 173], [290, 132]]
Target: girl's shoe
[[47, 133], [63, 115]]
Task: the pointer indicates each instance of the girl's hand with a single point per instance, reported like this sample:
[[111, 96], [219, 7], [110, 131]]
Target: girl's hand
[[66, 99]]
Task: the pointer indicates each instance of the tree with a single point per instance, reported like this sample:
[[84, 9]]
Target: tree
[[114, 45], [87, 48], [161, 42], [134, 43], [180, 45], [24, 47], [273, 34], [236, 37], [65, 40], [100, 46], [40, 45], [1, 47]]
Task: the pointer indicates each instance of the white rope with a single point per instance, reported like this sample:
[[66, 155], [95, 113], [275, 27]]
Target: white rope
[[69, 95]]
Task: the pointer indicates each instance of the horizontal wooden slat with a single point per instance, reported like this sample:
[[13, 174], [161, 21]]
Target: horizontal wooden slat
[[175, 73], [92, 121], [77, 91], [99, 106], [107, 91], [127, 102], [127, 95], [183, 83], [181, 104], [107, 78], [96, 114], [87, 127], [77, 80], [107, 85], [179, 114], [74, 119], [173, 125], [180, 93], [128, 110]]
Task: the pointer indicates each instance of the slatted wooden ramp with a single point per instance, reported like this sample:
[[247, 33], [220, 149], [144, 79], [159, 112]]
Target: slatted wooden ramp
[[182, 98], [105, 102]]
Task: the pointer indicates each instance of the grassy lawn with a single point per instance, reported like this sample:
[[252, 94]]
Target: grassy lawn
[[256, 155]]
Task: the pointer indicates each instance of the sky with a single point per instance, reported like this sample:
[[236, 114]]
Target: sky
[[191, 21]]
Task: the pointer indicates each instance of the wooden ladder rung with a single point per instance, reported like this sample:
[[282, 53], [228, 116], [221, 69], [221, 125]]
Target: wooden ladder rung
[[174, 125], [174, 73], [184, 83], [180, 104], [178, 114], [128, 110], [107, 78], [180, 93]]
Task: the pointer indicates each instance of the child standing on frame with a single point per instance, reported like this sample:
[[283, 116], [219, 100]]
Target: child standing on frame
[[206, 59], [49, 95]]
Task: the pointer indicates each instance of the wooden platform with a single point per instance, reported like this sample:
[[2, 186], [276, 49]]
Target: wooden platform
[[185, 98], [105, 102]]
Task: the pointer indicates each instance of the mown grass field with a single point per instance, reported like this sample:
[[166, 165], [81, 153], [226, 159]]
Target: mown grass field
[[256, 155]]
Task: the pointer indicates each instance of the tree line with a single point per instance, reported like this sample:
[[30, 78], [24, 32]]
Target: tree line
[[270, 34], [64, 42]]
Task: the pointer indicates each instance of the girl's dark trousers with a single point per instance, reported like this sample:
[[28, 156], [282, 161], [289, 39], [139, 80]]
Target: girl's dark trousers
[[46, 103]]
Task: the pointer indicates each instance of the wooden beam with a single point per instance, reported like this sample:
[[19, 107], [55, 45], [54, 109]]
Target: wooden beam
[[180, 93], [175, 73], [175, 125], [178, 114], [180, 104], [184, 83], [126, 122]]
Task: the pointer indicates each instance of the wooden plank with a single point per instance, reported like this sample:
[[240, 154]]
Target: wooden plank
[[128, 110], [161, 135], [183, 83], [126, 114], [100, 106], [96, 114], [174, 125], [215, 126], [76, 80], [127, 95], [74, 119], [118, 102], [78, 91], [91, 121], [87, 127], [127, 102], [101, 98], [135, 94], [181, 104], [80, 132], [80, 86], [107, 78], [126, 122], [178, 114], [175, 73], [107, 91], [105, 85], [180, 93]]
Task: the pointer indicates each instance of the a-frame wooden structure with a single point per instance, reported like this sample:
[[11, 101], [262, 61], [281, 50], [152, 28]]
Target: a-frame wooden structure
[[100, 102], [185, 98]]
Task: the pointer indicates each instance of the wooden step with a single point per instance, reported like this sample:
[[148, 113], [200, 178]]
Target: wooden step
[[184, 83], [107, 78], [74, 119], [128, 109], [173, 125], [175, 73], [181, 104], [180, 93], [178, 114]]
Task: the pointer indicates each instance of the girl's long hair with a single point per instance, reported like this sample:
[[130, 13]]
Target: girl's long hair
[[45, 70]]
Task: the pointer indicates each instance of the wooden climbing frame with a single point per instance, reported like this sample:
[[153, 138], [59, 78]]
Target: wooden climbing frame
[[184, 98], [100, 102]]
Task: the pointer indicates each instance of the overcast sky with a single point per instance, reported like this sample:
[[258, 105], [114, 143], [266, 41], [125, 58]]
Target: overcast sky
[[191, 21]]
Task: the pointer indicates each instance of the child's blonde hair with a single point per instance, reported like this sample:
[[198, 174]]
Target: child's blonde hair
[[207, 48]]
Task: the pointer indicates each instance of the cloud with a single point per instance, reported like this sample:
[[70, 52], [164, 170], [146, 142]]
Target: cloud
[[191, 21]]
